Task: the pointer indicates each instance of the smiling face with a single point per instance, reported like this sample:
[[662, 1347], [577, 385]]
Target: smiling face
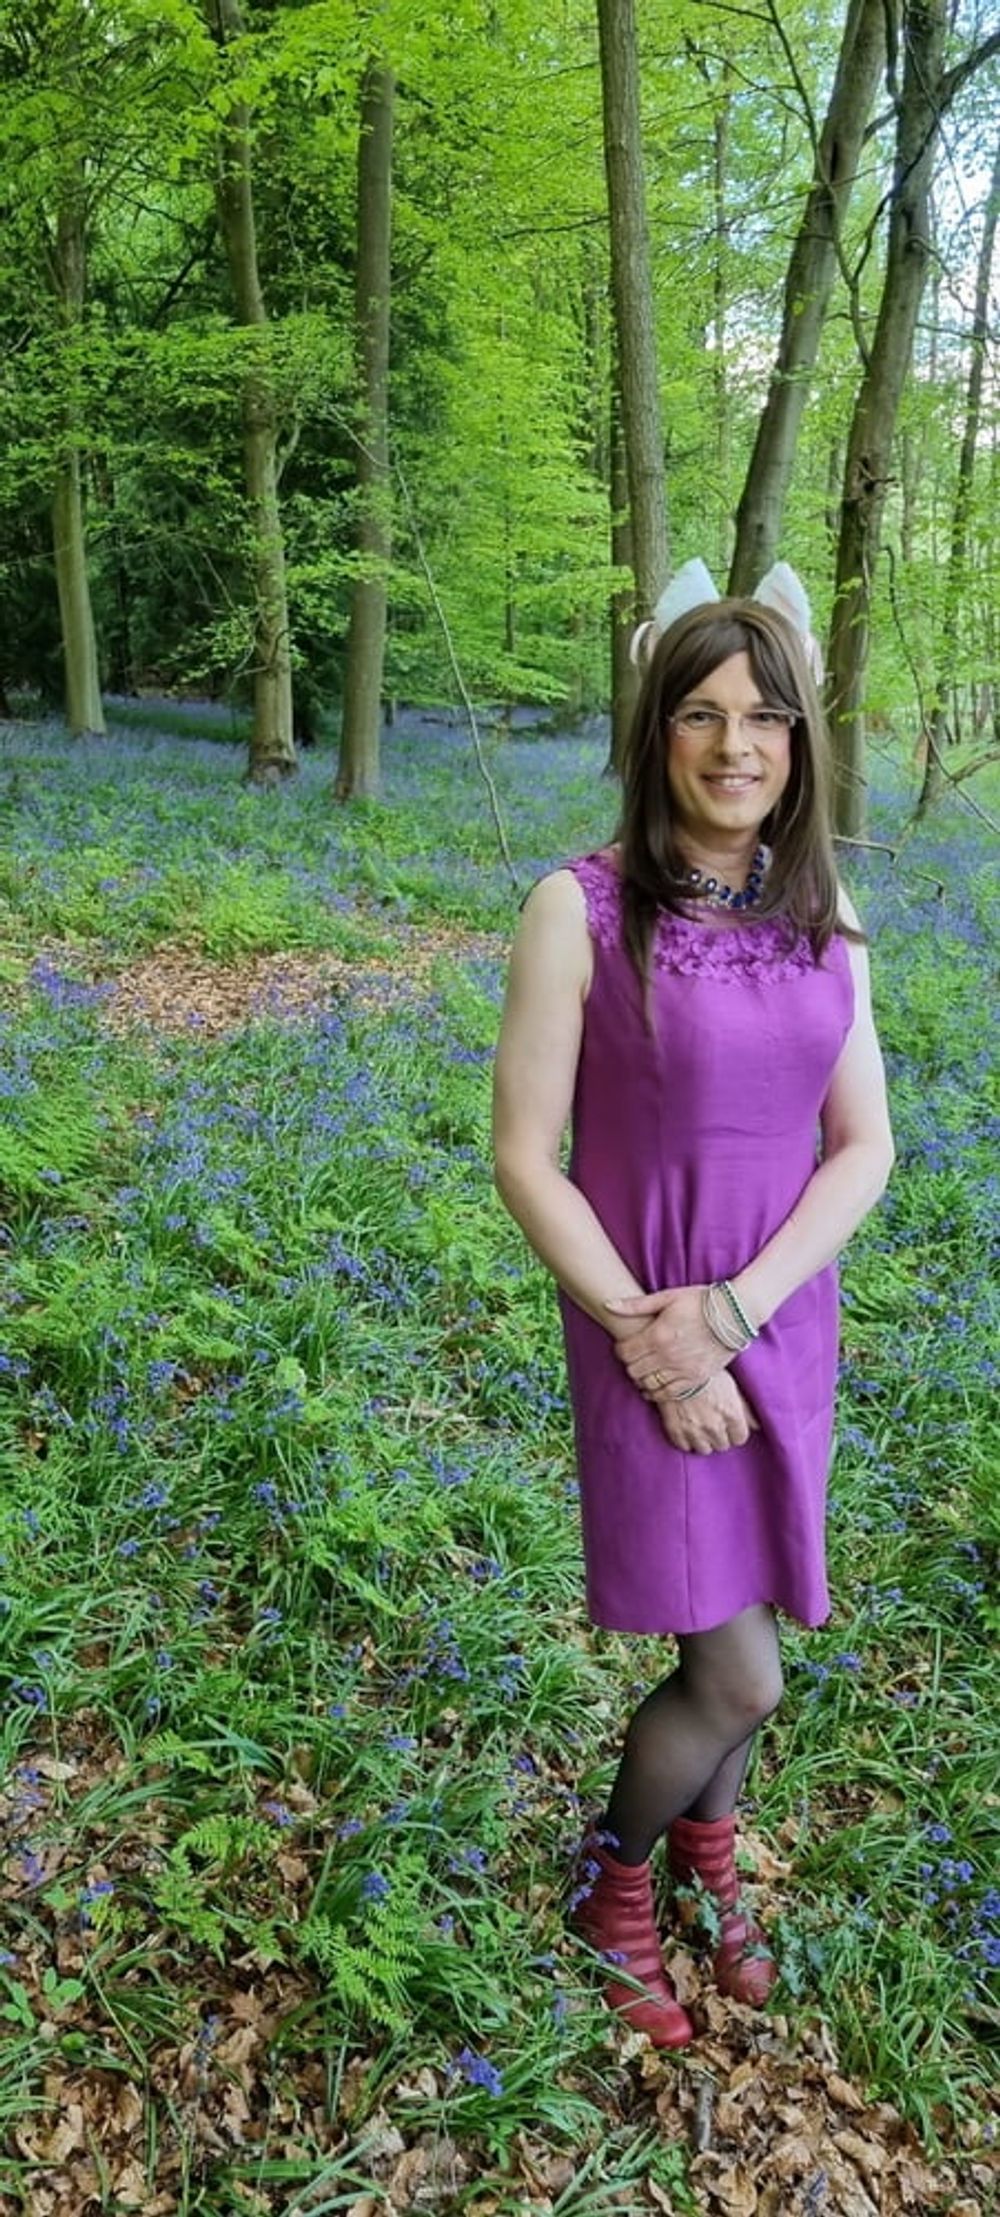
[[726, 776]]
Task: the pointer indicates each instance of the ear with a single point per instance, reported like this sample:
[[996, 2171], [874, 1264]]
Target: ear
[[784, 591], [690, 587]]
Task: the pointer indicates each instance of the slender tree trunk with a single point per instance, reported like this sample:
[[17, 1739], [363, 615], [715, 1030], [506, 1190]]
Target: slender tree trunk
[[868, 467], [84, 707], [632, 288], [624, 677], [272, 742], [811, 274], [914, 476], [958, 562], [720, 304], [358, 768], [834, 479]]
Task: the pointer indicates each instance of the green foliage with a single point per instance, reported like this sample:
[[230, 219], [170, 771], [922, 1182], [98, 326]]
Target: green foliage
[[501, 373], [51, 1136]]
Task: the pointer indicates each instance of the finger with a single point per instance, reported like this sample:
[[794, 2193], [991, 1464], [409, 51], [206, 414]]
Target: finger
[[638, 1304], [635, 1351]]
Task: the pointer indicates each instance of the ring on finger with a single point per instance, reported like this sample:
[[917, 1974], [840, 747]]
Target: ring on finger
[[657, 1379]]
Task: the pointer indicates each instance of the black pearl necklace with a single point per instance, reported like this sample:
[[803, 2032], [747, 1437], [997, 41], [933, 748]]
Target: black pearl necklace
[[718, 895]]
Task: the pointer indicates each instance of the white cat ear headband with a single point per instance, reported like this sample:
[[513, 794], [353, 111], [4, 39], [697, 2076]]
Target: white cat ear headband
[[692, 586]]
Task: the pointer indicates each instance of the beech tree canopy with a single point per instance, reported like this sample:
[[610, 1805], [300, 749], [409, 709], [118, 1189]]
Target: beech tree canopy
[[320, 321]]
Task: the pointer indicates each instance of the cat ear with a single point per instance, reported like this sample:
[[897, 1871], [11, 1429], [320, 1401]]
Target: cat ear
[[784, 591], [690, 587]]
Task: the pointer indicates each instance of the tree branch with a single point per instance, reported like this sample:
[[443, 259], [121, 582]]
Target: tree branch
[[954, 79]]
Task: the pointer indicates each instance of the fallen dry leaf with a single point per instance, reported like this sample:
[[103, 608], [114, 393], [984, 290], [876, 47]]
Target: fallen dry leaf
[[846, 2096], [869, 2155], [68, 2135], [381, 2142], [735, 2191], [406, 2176], [131, 2186]]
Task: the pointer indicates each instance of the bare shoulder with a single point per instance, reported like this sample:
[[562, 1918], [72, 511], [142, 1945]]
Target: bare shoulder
[[557, 898], [553, 932]]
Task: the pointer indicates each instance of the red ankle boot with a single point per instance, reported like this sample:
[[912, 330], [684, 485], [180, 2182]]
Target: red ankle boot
[[613, 1909], [744, 1967]]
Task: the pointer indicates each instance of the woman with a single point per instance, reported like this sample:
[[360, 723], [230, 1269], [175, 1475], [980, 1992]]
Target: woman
[[695, 999]]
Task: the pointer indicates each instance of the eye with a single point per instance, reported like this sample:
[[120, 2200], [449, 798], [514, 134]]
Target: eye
[[771, 719], [698, 719]]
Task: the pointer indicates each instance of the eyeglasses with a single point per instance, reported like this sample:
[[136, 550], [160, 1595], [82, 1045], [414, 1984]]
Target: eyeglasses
[[712, 723]]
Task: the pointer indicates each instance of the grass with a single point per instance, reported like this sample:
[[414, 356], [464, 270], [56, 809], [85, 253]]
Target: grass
[[297, 1709]]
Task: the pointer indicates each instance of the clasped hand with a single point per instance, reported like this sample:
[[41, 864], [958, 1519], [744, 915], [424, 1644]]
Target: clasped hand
[[672, 1350]]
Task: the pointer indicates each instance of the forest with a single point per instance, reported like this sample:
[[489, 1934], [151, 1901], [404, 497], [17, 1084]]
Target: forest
[[327, 382], [367, 367]]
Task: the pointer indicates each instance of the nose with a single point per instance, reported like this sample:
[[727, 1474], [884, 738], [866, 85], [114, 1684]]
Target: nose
[[732, 736]]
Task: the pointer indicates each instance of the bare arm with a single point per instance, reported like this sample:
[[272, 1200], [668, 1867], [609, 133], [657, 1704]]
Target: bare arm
[[533, 1094]]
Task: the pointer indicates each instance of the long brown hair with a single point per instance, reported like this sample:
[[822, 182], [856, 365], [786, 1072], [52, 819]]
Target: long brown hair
[[801, 883]]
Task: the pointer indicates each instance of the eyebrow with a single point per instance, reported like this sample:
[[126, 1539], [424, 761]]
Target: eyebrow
[[704, 700]]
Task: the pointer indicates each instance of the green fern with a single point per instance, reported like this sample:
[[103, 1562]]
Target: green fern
[[55, 1132], [222, 1841], [172, 1749], [372, 1977], [180, 1899]]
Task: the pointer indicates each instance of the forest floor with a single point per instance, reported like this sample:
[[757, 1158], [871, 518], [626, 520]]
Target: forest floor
[[298, 1699]]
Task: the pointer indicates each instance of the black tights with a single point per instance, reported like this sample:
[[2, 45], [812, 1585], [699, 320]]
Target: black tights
[[688, 1744]]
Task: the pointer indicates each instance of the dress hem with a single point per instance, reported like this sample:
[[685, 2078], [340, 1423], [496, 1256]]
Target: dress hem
[[682, 1631]]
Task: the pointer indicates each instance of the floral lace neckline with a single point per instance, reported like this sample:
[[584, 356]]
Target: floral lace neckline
[[733, 946]]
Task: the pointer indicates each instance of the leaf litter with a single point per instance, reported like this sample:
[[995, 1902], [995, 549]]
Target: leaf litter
[[771, 2124]]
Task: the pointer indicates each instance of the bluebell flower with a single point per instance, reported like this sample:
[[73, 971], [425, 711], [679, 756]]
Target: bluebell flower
[[478, 2070], [374, 1887]]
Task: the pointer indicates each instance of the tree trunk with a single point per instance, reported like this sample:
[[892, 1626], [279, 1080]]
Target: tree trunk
[[624, 677], [914, 476], [720, 305], [272, 742], [811, 274], [632, 288], [959, 551], [358, 767], [84, 707], [869, 447]]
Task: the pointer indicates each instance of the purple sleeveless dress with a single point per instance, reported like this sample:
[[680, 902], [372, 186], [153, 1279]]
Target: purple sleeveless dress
[[693, 1141]]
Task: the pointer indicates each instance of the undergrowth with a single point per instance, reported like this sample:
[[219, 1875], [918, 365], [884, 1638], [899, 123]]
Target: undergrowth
[[294, 1683]]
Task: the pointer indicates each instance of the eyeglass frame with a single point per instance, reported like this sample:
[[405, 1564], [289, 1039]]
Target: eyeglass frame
[[785, 718]]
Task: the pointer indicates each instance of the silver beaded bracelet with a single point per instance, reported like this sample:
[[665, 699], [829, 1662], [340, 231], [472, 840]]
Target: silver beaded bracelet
[[729, 1325], [738, 1309], [720, 1324]]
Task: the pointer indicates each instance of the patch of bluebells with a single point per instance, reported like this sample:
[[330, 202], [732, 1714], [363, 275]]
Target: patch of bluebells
[[99, 1889], [822, 1674], [948, 1887], [375, 1886], [477, 2070], [33, 1696], [470, 1859], [443, 1657]]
